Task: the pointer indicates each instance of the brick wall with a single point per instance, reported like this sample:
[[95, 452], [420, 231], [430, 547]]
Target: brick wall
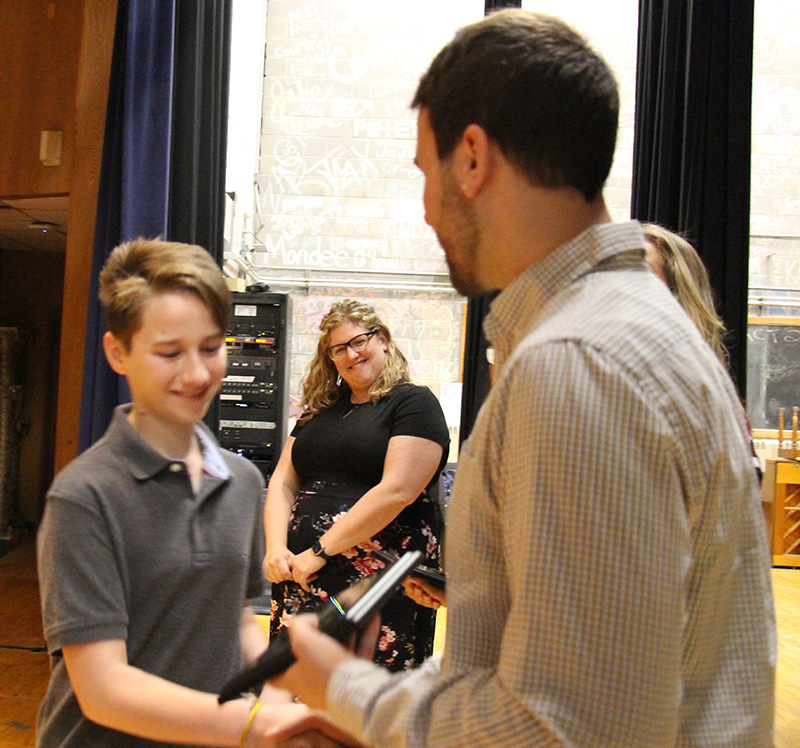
[[339, 199], [339, 208], [340, 202]]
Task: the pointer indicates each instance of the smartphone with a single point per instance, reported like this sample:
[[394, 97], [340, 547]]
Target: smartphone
[[340, 617], [435, 577]]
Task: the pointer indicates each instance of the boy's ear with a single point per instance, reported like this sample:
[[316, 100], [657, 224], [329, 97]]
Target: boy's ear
[[115, 352]]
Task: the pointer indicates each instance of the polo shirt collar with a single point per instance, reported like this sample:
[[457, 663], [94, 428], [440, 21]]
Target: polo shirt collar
[[213, 463], [144, 462]]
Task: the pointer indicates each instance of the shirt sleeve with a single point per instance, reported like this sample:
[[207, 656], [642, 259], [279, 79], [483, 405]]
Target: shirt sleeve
[[418, 413], [80, 581], [566, 575]]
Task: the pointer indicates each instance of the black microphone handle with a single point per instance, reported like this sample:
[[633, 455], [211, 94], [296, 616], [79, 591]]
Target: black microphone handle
[[276, 659], [332, 621]]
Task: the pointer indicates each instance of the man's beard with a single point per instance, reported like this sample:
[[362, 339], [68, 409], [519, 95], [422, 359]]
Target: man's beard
[[460, 238]]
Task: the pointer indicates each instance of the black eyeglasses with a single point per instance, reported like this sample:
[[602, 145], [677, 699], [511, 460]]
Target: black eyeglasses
[[358, 343]]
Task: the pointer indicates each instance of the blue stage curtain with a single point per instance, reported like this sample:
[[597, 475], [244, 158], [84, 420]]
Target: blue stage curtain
[[199, 131], [163, 169], [691, 154], [134, 178], [200, 124]]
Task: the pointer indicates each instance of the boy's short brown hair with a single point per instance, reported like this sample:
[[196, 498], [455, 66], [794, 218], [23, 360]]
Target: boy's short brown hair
[[137, 270]]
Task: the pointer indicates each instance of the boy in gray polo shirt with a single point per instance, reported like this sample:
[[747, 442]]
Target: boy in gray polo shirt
[[150, 543]]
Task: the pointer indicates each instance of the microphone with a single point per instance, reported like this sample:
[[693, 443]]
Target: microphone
[[363, 601]]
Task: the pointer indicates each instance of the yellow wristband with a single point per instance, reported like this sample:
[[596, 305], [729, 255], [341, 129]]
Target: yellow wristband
[[249, 723]]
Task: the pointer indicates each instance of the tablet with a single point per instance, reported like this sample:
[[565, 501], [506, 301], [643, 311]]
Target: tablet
[[435, 577], [340, 617]]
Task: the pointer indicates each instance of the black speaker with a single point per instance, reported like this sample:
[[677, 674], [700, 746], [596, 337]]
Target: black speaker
[[253, 404]]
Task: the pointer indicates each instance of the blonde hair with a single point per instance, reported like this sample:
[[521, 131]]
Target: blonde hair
[[322, 385], [137, 270], [687, 279]]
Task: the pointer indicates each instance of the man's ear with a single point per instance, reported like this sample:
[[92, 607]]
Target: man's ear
[[472, 160], [115, 352]]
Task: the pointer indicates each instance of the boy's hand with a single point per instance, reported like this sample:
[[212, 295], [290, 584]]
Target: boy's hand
[[296, 726]]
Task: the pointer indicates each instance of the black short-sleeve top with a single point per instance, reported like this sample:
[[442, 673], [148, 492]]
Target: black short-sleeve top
[[348, 444]]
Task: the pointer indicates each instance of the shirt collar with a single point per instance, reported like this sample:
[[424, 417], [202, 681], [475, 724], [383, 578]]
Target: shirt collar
[[515, 309], [213, 463], [145, 462]]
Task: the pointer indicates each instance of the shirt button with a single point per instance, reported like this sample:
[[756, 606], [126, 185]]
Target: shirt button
[[175, 467]]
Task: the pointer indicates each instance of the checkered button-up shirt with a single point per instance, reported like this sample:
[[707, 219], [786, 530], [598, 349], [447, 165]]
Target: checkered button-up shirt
[[608, 572]]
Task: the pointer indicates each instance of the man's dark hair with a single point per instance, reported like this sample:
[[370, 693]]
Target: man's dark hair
[[539, 91]]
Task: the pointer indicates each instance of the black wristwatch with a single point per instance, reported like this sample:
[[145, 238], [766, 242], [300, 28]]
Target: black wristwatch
[[318, 550]]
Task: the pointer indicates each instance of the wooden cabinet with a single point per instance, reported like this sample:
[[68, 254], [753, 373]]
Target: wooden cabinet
[[781, 496], [40, 58]]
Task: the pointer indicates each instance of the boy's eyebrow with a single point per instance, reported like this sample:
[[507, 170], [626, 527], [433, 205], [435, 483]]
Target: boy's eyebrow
[[174, 341], [163, 344]]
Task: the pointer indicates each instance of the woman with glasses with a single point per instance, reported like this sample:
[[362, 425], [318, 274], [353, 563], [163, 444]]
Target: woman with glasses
[[355, 476]]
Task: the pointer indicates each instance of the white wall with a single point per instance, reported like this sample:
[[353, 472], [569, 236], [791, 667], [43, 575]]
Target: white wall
[[338, 211], [775, 177], [244, 117]]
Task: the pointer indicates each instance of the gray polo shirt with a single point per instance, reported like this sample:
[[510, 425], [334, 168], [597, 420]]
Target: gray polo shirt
[[127, 551]]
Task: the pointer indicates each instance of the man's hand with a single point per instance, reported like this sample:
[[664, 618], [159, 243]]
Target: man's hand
[[317, 656], [305, 567], [296, 726]]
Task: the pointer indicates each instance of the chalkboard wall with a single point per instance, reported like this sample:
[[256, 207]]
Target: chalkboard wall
[[773, 370]]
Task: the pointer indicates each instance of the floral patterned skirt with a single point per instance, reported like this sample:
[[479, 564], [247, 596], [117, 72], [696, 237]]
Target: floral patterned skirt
[[407, 629]]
